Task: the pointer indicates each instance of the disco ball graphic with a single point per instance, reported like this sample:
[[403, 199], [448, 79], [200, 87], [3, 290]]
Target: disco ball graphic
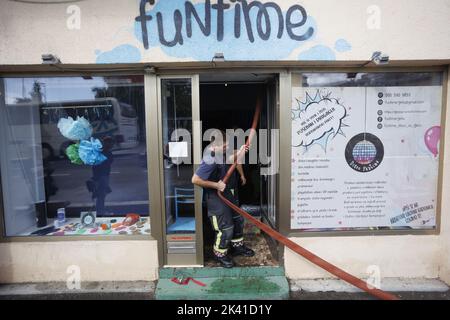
[[364, 152]]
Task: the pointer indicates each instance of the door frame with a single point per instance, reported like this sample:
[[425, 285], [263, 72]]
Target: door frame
[[272, 101], [156, 172], [156, 167]]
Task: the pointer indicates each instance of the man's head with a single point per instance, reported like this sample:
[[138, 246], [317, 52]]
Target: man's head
[[219, 141], [107, 143]]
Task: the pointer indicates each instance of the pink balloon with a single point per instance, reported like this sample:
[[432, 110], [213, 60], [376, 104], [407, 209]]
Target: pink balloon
[[432, 137]]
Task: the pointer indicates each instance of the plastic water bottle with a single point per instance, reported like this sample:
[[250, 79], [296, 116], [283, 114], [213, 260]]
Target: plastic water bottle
[[61, 216]]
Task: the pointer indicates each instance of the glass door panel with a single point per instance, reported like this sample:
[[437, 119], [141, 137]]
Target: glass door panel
[[182, 201], [176, 96]]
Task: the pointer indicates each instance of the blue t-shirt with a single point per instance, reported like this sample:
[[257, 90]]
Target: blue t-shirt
[[209, 169]]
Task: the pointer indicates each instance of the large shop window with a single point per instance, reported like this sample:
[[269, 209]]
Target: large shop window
[[73, 156], [365, 150]]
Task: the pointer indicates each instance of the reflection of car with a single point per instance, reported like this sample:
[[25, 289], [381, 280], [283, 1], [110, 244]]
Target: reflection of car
[[108, 117]]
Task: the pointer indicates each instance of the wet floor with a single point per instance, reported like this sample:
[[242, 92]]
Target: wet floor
[[263, 255]]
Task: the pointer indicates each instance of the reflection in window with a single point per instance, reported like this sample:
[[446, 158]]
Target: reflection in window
[[178, 170], [372, 79], [45, 192]]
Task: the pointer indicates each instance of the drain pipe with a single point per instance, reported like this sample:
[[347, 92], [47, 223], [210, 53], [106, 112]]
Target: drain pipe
[[289, 243]]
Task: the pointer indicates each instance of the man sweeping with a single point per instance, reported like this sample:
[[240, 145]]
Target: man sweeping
[[227, 224]]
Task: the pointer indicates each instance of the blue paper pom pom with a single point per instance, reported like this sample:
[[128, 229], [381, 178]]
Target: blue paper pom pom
[[90, 152], [79, 129]]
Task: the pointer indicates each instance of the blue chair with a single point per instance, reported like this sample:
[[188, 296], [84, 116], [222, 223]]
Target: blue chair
[[183, 196]]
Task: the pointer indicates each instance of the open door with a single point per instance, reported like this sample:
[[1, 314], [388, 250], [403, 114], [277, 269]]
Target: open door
[[227, 102], [269, 168], [180, 147]]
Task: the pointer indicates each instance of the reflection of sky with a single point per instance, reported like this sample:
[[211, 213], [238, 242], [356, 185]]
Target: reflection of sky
[[330, 79], [53, 89], [318, 79]]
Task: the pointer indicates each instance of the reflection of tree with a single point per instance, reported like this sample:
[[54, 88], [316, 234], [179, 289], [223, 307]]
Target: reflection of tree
[[36, 95], [183, 100], [120, 93], [179, 101], [35, 100]]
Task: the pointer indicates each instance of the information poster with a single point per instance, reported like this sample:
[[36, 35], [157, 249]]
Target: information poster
[[365, 157]]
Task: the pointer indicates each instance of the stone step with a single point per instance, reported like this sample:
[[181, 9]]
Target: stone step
[[245, 283]]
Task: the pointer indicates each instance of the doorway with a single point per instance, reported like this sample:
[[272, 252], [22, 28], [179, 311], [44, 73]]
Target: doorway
[[227, 102], [190, 105]]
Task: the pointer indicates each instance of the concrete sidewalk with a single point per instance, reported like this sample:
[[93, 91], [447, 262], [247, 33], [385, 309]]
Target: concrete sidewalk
[[322, 289], [334, 289], [135, 290]]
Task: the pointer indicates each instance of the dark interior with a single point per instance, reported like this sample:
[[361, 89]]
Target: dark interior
[[225, 105]]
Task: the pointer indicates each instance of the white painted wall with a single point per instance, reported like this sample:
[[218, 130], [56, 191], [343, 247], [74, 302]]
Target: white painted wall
[[98, 260], [407, 30], [397, 256]]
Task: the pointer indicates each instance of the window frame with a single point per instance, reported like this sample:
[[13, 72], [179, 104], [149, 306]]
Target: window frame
[[285, 154], [149, 148], [284, 114]]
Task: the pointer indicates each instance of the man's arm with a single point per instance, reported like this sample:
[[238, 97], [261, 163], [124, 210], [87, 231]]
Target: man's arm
[[234, 157], [208, 184], [241, 173]]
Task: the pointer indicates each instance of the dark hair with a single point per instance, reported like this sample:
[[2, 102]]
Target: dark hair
[[107, 143], [216, 133]]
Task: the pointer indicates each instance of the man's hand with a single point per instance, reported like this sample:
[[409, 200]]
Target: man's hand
[[220, 185], [238, 155], [244, 148]]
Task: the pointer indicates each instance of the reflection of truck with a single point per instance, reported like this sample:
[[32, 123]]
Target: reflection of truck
[[107, 116]]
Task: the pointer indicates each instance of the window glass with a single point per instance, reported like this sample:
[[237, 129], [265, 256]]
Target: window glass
[[365, 150], [177, 130], [73, 156]]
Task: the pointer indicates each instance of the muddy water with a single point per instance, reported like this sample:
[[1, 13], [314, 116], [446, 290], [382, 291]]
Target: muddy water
[[258, 243]]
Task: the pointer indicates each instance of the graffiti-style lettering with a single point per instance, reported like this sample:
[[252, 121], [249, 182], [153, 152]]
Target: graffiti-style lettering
[[237, 20], [178, 21], [204, 26], [292, 25], [262, 10], [220, 7], [143, 18], [295, 18]]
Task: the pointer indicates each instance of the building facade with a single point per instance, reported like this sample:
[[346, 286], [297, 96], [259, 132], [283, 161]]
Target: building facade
[[354, 102]]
